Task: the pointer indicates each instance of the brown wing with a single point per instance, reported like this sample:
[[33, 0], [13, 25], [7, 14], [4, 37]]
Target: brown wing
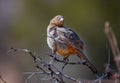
[[75, 40], [68, 36]]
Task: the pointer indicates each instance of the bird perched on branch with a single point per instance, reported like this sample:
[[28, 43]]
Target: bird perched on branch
[[65, 42]]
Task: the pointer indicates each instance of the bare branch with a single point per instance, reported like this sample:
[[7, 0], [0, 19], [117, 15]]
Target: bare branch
[[112, 39], [51, 69], [113, 43]]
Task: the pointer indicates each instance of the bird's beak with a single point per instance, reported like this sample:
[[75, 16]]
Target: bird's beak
[[61, 19]]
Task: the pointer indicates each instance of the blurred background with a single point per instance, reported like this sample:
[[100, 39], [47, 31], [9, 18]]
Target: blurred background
[[23, 24]]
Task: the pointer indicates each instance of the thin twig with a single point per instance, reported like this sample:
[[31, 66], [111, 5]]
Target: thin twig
[[51, 69], [63, 61], [29, 77], [108, 51]]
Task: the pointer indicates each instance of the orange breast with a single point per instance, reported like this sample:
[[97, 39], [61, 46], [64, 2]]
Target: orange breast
[[66, 52]]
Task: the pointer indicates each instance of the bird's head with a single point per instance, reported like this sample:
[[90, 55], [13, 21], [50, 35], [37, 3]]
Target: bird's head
[[57, 21]]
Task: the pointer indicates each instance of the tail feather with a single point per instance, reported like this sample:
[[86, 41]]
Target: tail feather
[[87, 63], [91, 66]]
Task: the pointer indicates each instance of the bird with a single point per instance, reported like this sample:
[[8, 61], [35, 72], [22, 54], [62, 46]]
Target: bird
[[65, 42]]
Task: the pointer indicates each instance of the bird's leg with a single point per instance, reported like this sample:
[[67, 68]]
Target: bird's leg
[[66, 60], [54, 56], [54, 51]]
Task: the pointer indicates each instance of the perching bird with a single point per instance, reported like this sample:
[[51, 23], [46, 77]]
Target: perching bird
[[65, 42]]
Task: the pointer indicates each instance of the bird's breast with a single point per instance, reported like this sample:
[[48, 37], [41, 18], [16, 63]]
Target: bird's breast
[[65, 50]]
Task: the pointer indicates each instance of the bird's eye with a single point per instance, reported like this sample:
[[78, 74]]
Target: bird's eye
[[58, 18]]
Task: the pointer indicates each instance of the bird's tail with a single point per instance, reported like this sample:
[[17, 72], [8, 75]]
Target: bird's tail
[[87, 62]]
